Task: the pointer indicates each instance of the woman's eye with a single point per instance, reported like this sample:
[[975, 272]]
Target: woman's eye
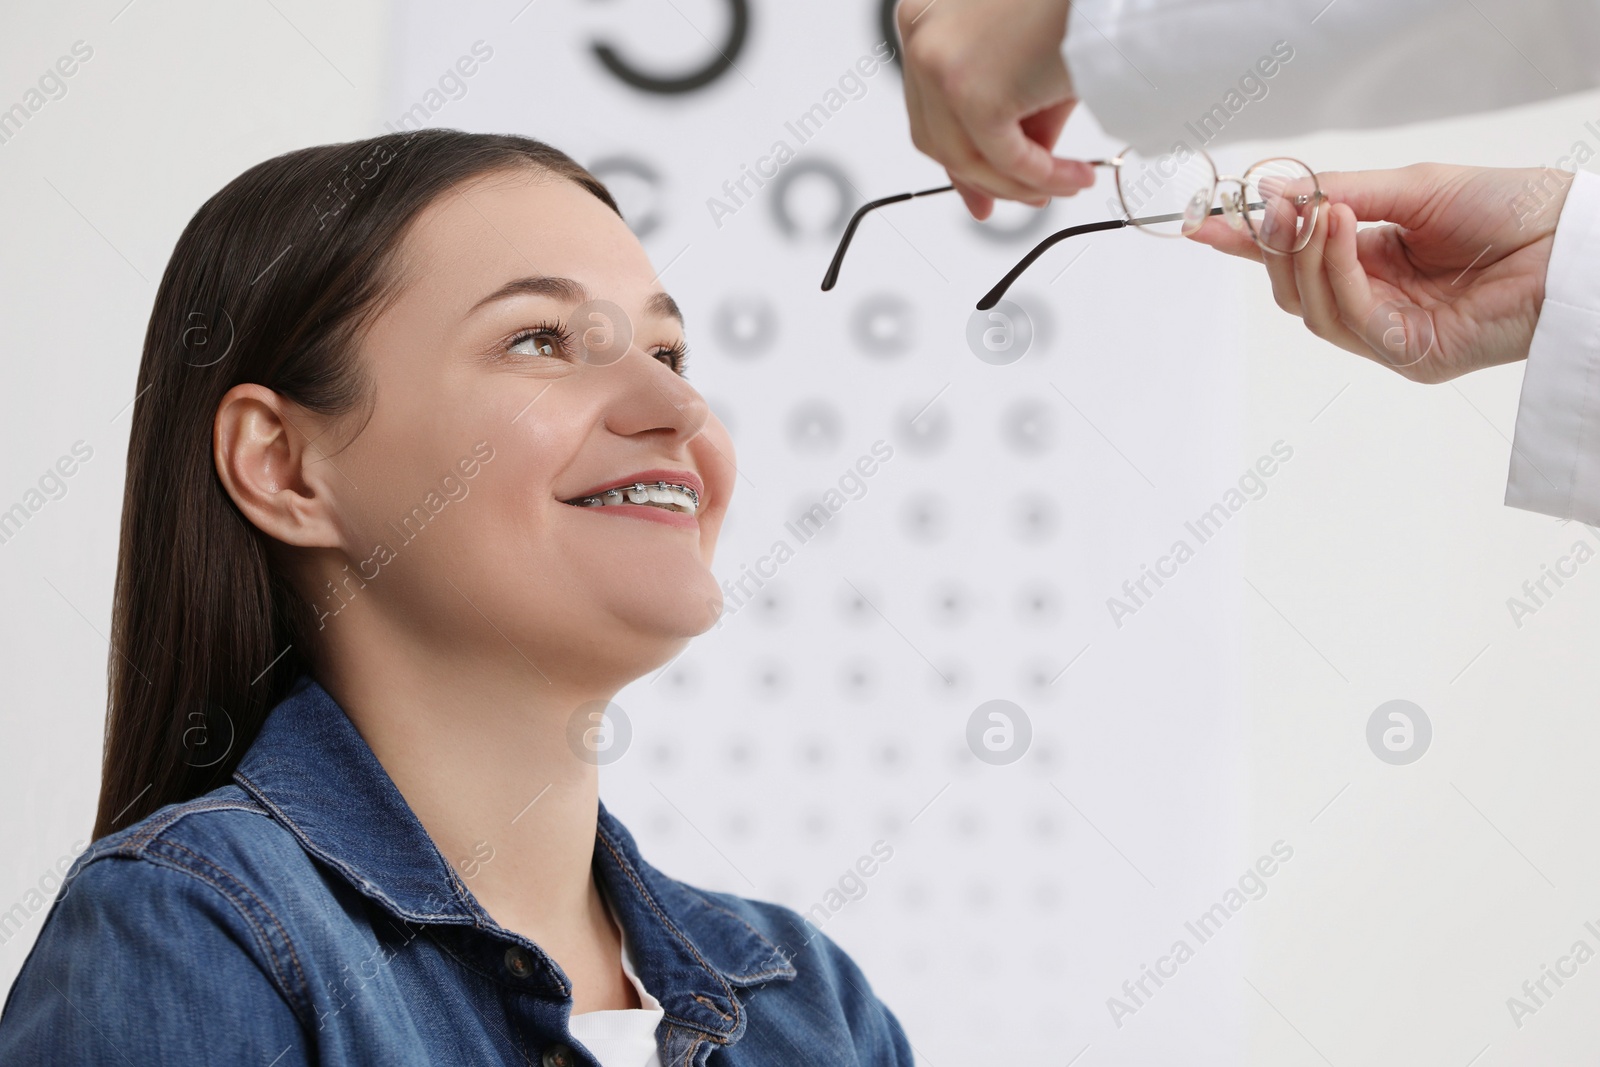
[[674, 356], [541, 342]]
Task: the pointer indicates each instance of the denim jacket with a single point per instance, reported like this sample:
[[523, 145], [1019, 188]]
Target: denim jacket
[[301, 914]]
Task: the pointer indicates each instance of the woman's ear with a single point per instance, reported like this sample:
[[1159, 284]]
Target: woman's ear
[[270, 467]]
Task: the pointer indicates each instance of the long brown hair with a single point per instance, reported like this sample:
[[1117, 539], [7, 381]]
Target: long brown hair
[[272, 282]]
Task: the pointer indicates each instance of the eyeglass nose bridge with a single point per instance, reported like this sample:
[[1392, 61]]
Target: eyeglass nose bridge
[[1233, 202]]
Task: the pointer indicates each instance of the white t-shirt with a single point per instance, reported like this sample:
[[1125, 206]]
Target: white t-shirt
[[625, 1037]]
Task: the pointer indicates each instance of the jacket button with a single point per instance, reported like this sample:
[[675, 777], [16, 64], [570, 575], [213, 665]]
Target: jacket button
[[558, 1056], [517, 962]]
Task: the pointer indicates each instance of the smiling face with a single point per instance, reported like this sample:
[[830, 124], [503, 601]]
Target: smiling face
[[530, 362]]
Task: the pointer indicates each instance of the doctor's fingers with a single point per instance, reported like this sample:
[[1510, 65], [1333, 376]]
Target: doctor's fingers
[[1294, 273], [984, 146], [1342, 307], [968, 165], [1224, 238], [978, 203], [1396, 195], [1313, 284], [1285, 282], [1312, 271], [937, 132], [1016, 148]]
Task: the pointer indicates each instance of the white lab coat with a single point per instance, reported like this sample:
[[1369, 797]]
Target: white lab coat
[[1159, 72], [1147, 67]]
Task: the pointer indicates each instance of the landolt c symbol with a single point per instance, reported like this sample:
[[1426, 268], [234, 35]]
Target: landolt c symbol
[[671, 85]]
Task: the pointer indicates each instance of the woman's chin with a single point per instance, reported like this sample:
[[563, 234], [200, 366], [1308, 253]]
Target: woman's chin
[[665, 627], [695, 617], [710, 613], [690, 612]]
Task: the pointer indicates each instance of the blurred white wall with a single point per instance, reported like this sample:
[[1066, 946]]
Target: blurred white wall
[[1168, 754], [1430, 892], [174, 100]]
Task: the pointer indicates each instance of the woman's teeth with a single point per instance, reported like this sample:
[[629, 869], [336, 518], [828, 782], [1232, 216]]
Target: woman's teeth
[[660, 494]]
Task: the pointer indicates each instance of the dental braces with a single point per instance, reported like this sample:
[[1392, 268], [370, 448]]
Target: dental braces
[[642, 487]]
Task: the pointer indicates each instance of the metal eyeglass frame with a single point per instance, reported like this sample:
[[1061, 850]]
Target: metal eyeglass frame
[[1232, 205]]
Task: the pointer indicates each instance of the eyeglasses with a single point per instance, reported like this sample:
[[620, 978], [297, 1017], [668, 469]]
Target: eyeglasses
[[1276, 200]]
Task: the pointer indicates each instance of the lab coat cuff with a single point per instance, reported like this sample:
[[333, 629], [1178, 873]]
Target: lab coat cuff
[[1555, 453]]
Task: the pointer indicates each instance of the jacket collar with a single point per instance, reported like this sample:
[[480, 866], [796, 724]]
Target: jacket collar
[[316, 775]]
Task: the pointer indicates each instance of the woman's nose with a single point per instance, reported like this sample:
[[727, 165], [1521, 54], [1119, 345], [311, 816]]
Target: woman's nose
[[653, 397]]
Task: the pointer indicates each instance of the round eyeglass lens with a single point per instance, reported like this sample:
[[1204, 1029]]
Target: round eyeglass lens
[[1168, 195], [1281, 203]]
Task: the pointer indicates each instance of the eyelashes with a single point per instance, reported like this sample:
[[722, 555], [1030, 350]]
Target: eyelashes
[[675, 355], [552, 338]]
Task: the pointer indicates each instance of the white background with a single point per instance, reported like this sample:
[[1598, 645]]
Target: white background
[[1228, 714]]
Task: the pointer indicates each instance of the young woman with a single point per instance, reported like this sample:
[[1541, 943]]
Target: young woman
[[415, 485]]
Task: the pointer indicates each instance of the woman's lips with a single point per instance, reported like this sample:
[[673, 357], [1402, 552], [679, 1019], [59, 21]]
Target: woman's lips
[[649, 512]]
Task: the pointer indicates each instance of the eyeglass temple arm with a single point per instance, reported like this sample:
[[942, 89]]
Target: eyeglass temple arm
[[992, 297], [830, 279]]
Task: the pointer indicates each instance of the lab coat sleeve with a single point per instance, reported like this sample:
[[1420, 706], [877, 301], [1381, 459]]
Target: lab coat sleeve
[[1555, 454], [1156, 73]]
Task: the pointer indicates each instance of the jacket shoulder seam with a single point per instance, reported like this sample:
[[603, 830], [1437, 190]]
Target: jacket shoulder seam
[[159, 825], [153, 844], [284, 967]]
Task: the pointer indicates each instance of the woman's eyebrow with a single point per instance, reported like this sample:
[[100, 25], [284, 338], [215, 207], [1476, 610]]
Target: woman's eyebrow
[[663, 305], [573, 292], [536, 285]]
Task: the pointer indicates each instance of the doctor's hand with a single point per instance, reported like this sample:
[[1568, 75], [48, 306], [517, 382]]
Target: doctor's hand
[[987, 92], [1453, 284]]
